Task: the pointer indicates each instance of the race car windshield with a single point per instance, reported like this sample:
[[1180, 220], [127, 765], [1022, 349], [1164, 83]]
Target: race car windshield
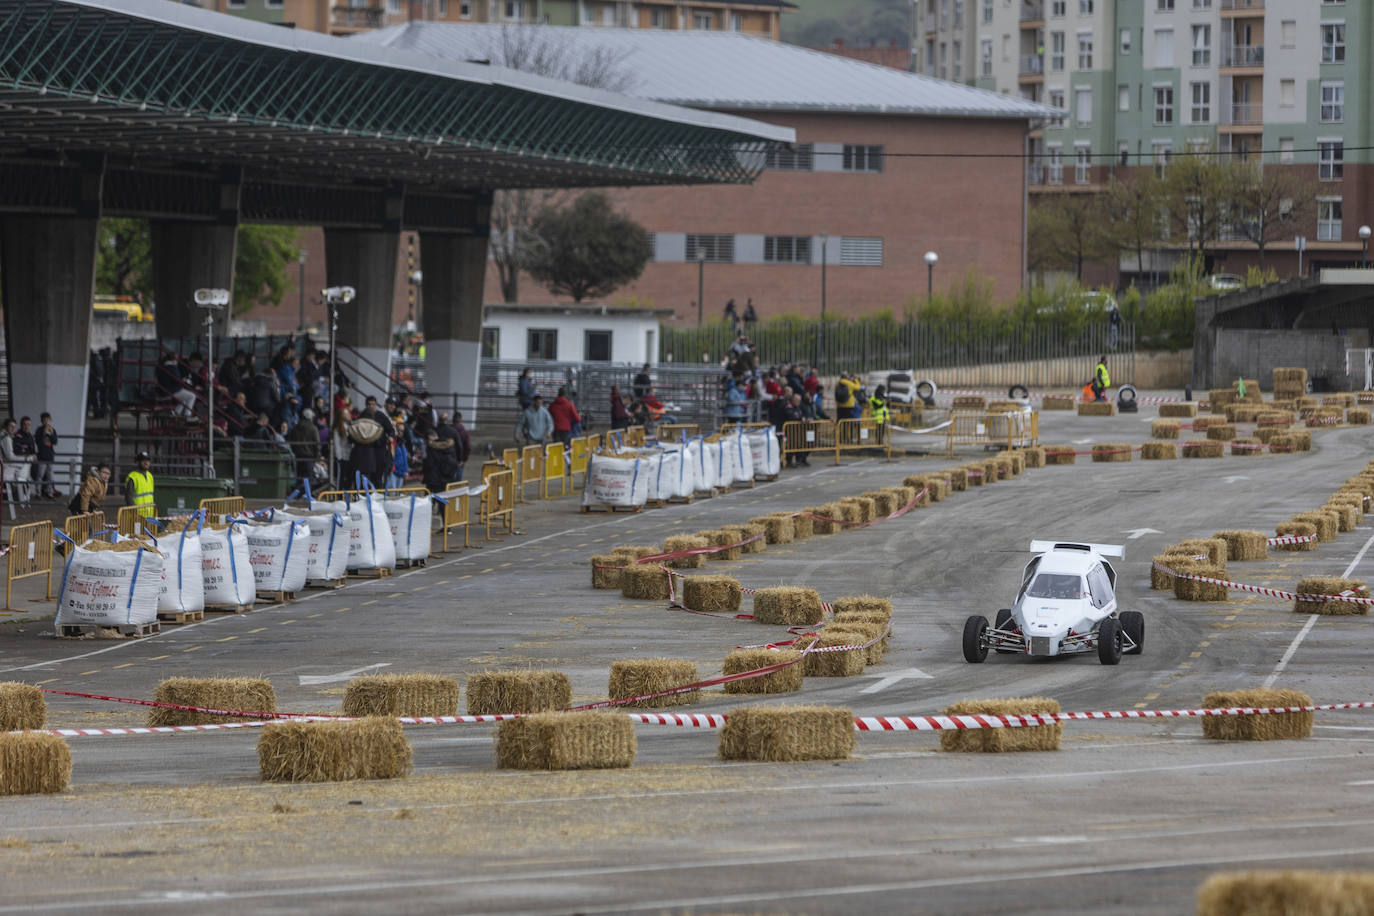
[[1056, 585]]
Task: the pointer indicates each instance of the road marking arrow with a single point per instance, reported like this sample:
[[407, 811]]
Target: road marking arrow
[[1233, 478], [892, 677], [1134, 533], [310, 679]]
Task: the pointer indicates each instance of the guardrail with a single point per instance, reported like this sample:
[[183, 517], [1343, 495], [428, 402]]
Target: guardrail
[[30, 554]]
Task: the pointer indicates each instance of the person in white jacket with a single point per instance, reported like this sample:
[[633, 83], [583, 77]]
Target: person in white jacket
[[18, 468]]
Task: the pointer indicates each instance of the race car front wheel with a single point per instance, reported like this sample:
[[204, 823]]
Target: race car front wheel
[[1133, 624], [1109, 642], [975, 639], [1004, 622]]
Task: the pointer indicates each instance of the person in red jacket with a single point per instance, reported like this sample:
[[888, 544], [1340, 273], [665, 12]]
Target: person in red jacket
[[565, 416]]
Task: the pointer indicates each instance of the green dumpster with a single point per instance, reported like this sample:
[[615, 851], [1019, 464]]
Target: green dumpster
[[182, 495], [265, 475]]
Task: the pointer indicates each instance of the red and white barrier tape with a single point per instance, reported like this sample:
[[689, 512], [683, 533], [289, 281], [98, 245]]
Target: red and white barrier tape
[[1270, 592], [1290, 539]]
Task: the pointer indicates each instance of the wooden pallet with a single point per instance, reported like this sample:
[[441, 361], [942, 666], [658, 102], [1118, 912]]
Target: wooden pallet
[[371, 572], [410, 564], [277, 597], [180, 616], [705, 494], [681, 499], [630, 509], [76, 630], [743, 484], [228, 608], [767, 478], [326, 583]]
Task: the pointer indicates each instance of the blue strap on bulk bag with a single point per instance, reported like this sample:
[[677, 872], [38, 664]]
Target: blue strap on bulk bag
[[133, 583]]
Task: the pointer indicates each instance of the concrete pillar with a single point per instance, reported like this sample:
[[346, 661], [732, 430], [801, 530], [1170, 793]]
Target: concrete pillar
[[188, 256], [366, 261], [454, 276]]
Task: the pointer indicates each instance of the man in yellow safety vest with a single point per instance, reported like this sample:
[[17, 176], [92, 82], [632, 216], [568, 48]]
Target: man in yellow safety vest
[[877, 405], [138, 486], [1101, 380]]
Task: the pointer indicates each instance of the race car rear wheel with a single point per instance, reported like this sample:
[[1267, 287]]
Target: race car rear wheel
[[1004, 622], [1133, 625], [975, 639], [1109, 642]]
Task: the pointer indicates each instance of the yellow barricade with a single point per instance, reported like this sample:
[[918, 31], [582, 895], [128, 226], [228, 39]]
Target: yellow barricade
[[80, 528], [216, 508], [908, 415], [577, 458], [863, 433], [801, 437], [457, 511], [553, 470], [498, 501], [510, 457], [531, 470], [965, 428], [30, 554], [593, 442], [993, 429], [634, 436], [130, 520], [672, 432]]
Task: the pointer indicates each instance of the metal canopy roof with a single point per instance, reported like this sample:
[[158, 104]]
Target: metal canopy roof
[[160, 82]]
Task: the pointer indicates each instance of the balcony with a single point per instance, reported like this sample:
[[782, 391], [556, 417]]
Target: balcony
[[348, 18], [1242, 56], [1032, 11], [1035, 174], [1242, 5], [1032, 65], [1246, 113], [930, 23]]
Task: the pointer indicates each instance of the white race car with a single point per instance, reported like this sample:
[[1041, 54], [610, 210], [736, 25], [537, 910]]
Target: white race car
[[1066, 605]]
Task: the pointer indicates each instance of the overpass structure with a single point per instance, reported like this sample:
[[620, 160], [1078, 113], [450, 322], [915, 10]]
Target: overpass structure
[[199, 121]]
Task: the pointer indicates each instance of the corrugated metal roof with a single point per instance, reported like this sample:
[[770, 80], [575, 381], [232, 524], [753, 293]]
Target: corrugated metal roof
[[722, 70]]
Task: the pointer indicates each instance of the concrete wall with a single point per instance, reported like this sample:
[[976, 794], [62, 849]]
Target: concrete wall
[[1256, 353], [630, 340]]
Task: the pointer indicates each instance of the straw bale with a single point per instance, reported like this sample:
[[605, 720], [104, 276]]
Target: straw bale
[[1223, 432], [1290, 374], [958, 478], [787, 605], [863, 604], [1296, 529], [743, 532], [1193, 590], [685, 542], [901, 496], [1326, 522], [21, 707], [973, 474], [1035, 457], [401, 695], [1214, 547], [1096, 409], [803, 527], [787, 733], [249, 694], [1357, 416], [1155, 451], [826, 511], [997, 740], [644, 582], [1279, 893], [1340, 399], [1165, 428], [1363, 484], [296, 751], [1017, 459], [784, 680], [1246, 447], [777, 529], [1172, 560], [593, 740], [1003, 406], [1275, 417], [1256, 727], [711, 593], [1202, 424], [1266, 434], [1288, 393], [884, 502], [494, 693], [644, 676], [1243, 545], [1281, 442], [635, 551], [1252, 390], [869, 619], [1331, 585], [1302, 440], [848, 663], [1350, 498], [1242, 413], [861, 633], [992, 471], [1347, 516], [1057, 402], [939, 485], [1059, 454], [1203, 448], [1112, 451], [1364, 397], [866, 509], [1308, 402], [1178, 409], [720, 537], [917, 483], [33, 763], [1219, 397], [969, 402], [606, 569]]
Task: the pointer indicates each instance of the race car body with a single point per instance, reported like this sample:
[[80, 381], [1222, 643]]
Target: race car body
[[1066, 605]]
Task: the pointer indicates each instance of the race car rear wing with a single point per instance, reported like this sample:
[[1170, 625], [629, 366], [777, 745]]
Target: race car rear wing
[[1102, 550]]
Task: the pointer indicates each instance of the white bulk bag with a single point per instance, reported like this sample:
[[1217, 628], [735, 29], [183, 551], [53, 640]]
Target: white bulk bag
[[327, 556], [743, 457], [369, 533], [183, 580], [767, 456], [227, 568], [410, 517], [653, 471], [110, 587], [615, 481], [727, 462], [705, 457], [279, 552], [674, 478]]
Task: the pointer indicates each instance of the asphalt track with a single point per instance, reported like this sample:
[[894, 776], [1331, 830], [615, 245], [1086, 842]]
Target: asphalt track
[[1128, 817]]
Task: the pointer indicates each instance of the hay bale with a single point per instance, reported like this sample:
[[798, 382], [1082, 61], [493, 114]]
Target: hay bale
[[902, 496], [33, 763], [1112, 451], [1252, 390], [1222, 432], [680, 542], [784, 680], [635, 551], [1289, 375], [884, 502], [974, 475], [917, 484], [1275, 417], [1266, 727], [787, 605], [1292, 891], [496, 693], [1289, 394], [249, 694], [863, 604], [744, 533], [997, 740], [777, 529], [1326, 522], [802, 527], [1266, 434], [1193, 590], [992, 472], [1059, 454], [865, 509], [1203, 448], [1364, 485], [1296, 529], [719, 537], [1364, 397], [1330, 585], [21, 707], [1164, 565], [1241, 413], [1302, 440], [1347, 516], [1307, 402], [296, 751], [1017, 459], [644, 583], [958, 478], [787, 733], [711, 593], [1282, 443], [1165, 429], [869, 634], [1035, 457], [1178, 409], [594, 740], [938, 485], [1156, 451], [606, 569], [1339, 399], [829, 518], [1058, 402], [644, 676], [1357, 416], [1243, 545], [844, 663], [1246, 446], [1220, 397], [1096, 408], [1215, 549], [401, 695]]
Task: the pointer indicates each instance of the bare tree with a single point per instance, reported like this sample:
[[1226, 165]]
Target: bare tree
[[1066, 231], [1268, 204], [1197, 198], [1132, 205]]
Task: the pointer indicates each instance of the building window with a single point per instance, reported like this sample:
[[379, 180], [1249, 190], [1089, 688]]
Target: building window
[[863, 158], [987, 12], [787, 249], [464, 9], [985, 52], [717, 249], [1082, 163], [1202, 45], [596, 346], [1125, 41], [1123, 97], [958, 53], [1164, 6], [1057, 8], [1056, 163], [491, 343], [1083, 105], [274, 4], [736, 22], [1333, 102], [1202, 103], [1328, 219], [799, 157], [660, 18], [515, 10], [443, 9], [1287, 93], [1333, 42], [1085, 50], [958, 14], [1164, 48], [1159, 153], [1288, 33], [861, 252], [1202, 4], [1330, 159], [236, 4], [1057, 101], [1056, 50], [1285, 150], [541, 343], [703, 21], [1164, 104], [1085, 7]]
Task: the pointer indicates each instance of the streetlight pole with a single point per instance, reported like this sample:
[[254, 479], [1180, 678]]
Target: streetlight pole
[[931, 259], [701, 277], [211, 300], [820, 331], [1364, 246]]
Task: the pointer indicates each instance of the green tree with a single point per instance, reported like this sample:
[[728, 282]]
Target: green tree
[[1067, 231], [587, 249], [1268, 204], [1133, 207], [123, 265], [1198, 198], [260, 265]]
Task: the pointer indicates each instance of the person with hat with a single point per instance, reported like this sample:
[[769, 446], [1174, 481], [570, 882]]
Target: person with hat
[[138, 486], [305, 443]]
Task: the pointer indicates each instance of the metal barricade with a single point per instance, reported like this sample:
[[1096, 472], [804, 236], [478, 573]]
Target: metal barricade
[[531, 470], [729, 429], [457, 511], [1015, 428], [635, 436], [30, 554], [81, 528], [673, 432], [129, 522], [510, 457], [801, 437], [593, 442], [498, 501], [553, 470], [217, 507], [965, 428], [577, 459], [863, 433]]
